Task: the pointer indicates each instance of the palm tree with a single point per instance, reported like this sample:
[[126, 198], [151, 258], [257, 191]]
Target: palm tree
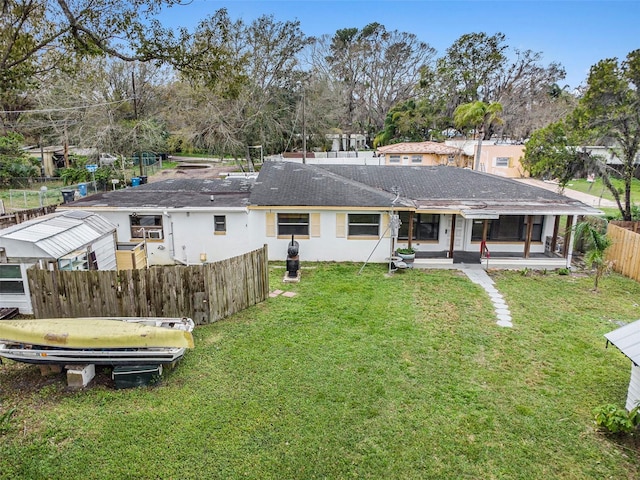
[[596, 242], [479, 115]]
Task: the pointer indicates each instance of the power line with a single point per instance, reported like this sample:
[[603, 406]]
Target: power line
[[52, 110]]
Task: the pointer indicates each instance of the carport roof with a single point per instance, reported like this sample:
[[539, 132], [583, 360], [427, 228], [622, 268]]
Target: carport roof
[[627, 339], [60, 233]]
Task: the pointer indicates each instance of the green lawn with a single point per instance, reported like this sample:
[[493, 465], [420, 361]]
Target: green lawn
[[406, 377], [599, 190]]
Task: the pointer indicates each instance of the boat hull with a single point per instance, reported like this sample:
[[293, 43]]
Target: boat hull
[[100, 341], [54, 356]]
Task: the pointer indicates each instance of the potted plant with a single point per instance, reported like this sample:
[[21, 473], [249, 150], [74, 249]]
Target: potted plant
[[406, 254]]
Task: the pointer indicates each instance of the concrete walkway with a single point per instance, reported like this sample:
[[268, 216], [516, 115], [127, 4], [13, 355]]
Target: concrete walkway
[[479, 276]]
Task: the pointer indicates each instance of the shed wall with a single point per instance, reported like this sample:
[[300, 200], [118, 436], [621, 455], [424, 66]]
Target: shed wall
[[633, 395]]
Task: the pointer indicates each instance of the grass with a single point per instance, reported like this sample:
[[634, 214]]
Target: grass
[[354, 377], [599, 190]]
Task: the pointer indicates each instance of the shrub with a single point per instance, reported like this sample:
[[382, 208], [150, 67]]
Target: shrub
[[563, 271], [615, 419]]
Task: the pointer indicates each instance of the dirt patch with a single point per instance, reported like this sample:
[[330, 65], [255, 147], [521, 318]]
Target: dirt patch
[[193, 171]]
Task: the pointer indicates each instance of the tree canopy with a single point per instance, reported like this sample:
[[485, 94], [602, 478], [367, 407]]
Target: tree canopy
[[608, 114]]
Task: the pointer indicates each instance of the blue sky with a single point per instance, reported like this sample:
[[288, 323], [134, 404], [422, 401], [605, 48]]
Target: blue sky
[[576, 34]]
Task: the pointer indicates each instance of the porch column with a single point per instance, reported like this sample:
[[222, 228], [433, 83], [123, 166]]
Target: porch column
[[568, 241], [453, 235], [410, 239], [554, 238], [527, 238], [485, 230]]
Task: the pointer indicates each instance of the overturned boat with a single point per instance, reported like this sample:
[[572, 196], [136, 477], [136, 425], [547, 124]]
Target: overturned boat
[[96, 340]]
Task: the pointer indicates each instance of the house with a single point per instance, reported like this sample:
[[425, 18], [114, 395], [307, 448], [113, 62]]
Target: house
[[59, 241], [627, 339], [424, 154], [180, 221], [344, 212], [502, 159]]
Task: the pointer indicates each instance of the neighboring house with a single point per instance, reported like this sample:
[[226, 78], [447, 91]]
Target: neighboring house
[[627, 339], [502, 159], [180, 221], [424, 154], [342, 213], [59, 241]]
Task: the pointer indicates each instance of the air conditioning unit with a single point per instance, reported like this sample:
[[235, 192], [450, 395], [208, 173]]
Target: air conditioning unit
[[154, 234]]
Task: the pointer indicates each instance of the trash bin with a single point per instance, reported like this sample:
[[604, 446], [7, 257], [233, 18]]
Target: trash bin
[[67, 195], [82, 188], [143, 179], [135, 181]]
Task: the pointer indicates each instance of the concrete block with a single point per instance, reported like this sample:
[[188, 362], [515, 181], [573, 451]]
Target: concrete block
[[79, 376], [46, 370]]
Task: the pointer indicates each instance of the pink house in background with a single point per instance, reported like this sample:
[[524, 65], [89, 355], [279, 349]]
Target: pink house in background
[[501, 159], [418, 154]]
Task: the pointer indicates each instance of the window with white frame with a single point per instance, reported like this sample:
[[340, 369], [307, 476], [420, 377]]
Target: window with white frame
[[394, 158], [364, 224], [219, 224], [416, 158], [293, 224], [146, 225], [451, 159], [502, 161], [11, 282]]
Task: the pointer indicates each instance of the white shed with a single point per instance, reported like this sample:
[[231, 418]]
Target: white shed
[[62, 240], [627, 339]]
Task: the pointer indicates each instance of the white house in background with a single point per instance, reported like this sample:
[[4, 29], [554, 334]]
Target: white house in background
[[184, 222], [59, 241], [627, 339]]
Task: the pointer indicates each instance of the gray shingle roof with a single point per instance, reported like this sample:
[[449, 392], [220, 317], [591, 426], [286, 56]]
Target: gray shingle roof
[[175, 193], [293, 184], [290, 184]]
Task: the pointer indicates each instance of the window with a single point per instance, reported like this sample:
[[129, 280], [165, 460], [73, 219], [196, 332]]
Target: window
[[426, 226], [151, 225], [364, 224], [451, 159], [508, 229], [293, 224], [416, 158], [394, 158], [11, 280], [502, 161], [219, 224]]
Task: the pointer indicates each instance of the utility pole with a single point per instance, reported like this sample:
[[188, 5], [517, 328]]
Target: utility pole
[[304, 128], [135, 117]]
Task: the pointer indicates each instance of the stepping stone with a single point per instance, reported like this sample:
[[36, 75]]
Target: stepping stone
[[503, 311], [289, 294], [503, 323]]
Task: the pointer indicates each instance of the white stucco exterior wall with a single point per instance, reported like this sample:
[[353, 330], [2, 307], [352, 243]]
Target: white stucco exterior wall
[[327, 246], [188, 234]]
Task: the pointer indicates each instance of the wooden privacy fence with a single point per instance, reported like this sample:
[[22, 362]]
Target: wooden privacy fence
[[206, 293], [624, 251]]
